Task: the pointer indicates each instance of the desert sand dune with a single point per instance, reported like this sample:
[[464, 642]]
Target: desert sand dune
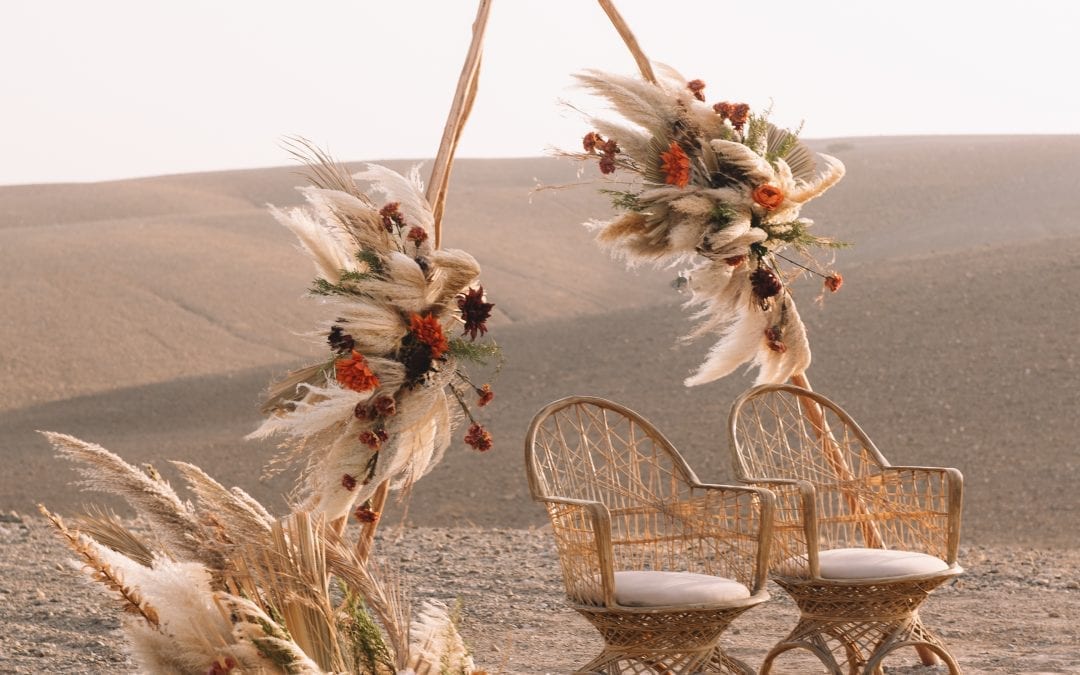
[[152, 324], [148, 315]]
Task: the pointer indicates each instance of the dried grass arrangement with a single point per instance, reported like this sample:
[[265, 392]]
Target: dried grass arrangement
[[218, 585], [718, 186], [403, 318]]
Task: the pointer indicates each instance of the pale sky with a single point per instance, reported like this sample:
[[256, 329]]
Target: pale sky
[[104, 89]]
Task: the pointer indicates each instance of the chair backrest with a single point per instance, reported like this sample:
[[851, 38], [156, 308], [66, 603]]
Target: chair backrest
[[592, 449], [786, 432]]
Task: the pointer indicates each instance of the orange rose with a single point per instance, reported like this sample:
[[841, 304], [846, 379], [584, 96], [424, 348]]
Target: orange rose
[[768, 196]]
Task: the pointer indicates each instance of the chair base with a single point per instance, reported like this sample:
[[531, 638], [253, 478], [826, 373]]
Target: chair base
[[667, 641], [851, 627]]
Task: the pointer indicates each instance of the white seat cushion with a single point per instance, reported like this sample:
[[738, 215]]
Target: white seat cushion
[[875, 563], [658, 589]]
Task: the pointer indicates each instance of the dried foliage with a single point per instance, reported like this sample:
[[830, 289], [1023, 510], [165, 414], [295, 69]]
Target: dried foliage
[[718, 186], [401, 316]]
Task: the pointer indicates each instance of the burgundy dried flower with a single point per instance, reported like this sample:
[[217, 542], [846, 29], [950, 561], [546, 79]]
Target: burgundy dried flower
[[607, 165], [834, 281], [348, 482], [611, 148], [362, 412], [591, 140], [485, 394], [417, 235], [478, 438], [391, 216], [364, 514], [765, 283], [696, 87], [738, 113], [774, 337], [386, 406], [339, 340], [474, 311], [735, 260], [373, 439]]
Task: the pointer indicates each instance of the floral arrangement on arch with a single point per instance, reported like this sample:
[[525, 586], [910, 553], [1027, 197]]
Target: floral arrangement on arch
[[402, 318], [719, 185]]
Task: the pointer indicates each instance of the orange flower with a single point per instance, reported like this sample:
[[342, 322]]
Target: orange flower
[[428, 330], [676, 165], [834, 281], [768, 196], [354, 373]]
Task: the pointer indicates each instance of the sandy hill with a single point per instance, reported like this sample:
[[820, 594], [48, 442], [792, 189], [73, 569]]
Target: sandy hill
[[148, 315]]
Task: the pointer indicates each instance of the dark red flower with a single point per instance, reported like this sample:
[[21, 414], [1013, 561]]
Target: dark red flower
[[834, 281], [765, 283], [391, 216], [485, 394], [611, 148], [348, 482], [427, 330], [478, 438], [738, 113], [354, 373], [607, 165], [374, 438], [417, 235], [474, 311], [339, 340], [364, 514], [735, 260], [774, 338], [696, 87], [386, 406], [591, 141]]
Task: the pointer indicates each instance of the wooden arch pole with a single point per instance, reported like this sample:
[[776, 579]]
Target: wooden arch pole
[[437, 189]]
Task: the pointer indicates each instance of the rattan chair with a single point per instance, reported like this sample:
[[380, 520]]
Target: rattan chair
[[858, 543], [657, 561]]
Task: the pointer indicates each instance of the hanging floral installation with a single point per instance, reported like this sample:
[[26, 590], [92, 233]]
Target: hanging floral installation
[[403, 319], [718, 186]]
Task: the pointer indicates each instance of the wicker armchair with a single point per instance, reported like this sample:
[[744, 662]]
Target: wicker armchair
[[858, 543], [657, 561]]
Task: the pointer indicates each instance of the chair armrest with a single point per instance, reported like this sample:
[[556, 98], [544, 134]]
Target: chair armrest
[[930, 501], [740, 518], [795, 531], [582, 532]]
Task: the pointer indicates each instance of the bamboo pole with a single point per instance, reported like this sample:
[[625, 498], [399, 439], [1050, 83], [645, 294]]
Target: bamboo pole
[[437, 188], [631, 42], [455, 121]]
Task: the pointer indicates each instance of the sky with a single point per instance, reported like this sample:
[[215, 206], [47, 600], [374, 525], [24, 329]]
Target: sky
[[122, 88]]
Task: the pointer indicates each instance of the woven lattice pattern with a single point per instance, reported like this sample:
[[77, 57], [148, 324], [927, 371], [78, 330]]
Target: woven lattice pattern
[[620, 497], [834, 489], [858, 498]]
